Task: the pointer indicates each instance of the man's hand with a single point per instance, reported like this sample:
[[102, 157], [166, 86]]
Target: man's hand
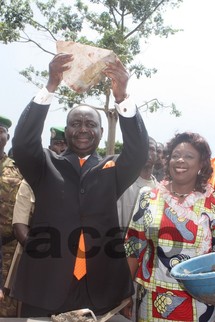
[[119, 78], [58, 65], [127, 310], [21, 232], [1, 295]]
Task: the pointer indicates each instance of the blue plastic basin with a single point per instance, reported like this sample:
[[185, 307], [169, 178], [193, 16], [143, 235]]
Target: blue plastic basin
[[197, 274]]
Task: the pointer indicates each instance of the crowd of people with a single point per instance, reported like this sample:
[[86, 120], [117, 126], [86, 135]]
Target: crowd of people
[[80, 231]]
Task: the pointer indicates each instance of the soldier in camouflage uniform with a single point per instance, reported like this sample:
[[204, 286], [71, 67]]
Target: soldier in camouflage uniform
[[10, 179], [1, 285]]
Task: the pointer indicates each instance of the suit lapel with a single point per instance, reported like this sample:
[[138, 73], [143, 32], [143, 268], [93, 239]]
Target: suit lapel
[[73, 159], [91, 162]]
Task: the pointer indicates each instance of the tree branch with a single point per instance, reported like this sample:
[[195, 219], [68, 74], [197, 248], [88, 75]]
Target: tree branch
[[152, 100], [37, 44], [45, 28], [122, 18], [114, 17], [140, 24]]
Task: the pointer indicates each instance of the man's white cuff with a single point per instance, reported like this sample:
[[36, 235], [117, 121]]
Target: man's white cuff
[[43, 97], [126, 108]]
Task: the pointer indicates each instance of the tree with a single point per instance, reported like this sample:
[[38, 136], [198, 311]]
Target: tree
[[116, 25], [117, 149]]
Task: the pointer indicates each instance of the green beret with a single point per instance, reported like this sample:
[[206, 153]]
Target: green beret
[[5, 122], [57, 133]]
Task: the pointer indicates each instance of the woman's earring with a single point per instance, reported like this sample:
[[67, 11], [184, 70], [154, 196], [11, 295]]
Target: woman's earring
[[199, 172]]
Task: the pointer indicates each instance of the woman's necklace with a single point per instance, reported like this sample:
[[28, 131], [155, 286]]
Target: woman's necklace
[[177, 194], [180, 195]]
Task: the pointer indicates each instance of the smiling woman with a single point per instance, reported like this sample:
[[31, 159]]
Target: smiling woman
[[171, 224], [188, 163]]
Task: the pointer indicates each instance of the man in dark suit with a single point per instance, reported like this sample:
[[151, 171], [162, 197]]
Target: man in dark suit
[[74, 201]]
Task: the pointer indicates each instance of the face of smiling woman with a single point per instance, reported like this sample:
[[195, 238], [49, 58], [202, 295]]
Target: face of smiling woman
[[185, 162], [83, 131]]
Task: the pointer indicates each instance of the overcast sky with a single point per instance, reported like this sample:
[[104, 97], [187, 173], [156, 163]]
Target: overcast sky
[[185, 77]]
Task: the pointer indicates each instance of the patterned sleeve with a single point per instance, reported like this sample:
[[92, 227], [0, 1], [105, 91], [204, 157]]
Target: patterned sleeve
[[210, 204], [213, 224], [136, 240]]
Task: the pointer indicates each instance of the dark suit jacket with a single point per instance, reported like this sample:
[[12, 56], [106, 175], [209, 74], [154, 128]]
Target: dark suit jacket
[[69, 198]]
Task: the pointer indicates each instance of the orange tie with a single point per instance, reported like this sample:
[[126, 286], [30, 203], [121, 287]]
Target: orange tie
[[80, 263], [81, 161]]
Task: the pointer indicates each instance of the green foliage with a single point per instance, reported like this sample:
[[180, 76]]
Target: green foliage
[[118, 147], [154, 105], [103, 151], [111, 24], [116, 25], [14, 16], [60, 19]]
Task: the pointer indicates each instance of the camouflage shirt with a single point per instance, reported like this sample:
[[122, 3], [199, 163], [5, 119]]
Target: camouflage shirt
[[10, 179]]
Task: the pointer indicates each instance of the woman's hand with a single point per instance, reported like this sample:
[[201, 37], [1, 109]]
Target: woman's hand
[[206, 299]]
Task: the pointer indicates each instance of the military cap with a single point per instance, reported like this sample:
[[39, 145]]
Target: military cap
[[57, 133], [5, 122]]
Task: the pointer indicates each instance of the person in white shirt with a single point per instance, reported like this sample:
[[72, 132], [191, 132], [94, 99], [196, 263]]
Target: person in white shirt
[[127, 201]]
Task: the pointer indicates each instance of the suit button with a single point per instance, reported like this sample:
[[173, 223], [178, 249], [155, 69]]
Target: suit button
[[82, 190]]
